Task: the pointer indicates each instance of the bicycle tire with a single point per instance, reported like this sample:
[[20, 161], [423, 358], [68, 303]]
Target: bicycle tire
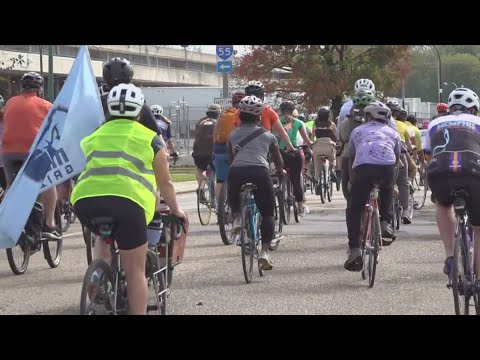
[[461, 300], [247, 249], [66, 221], [338, 174], [375, 247], [363, 233], [87, 280], [54, 261], [288, 202], [204, 189], [278, 221], [398, 213], [224, 216], [295, 211], [330, 187], [25, 248], [322, 185], [154, 299]]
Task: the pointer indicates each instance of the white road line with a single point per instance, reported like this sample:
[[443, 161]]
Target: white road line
[[73, 234]]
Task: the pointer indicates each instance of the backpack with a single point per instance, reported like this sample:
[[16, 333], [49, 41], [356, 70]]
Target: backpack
[[203, 144], [225, 125]]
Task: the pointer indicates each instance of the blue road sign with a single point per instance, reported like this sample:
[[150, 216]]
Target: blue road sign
[[224, 66], [225, 52]]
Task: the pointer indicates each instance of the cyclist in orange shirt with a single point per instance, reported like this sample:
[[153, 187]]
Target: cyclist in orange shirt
[[269, 117], [23, 117]]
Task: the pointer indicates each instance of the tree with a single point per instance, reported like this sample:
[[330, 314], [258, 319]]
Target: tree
[[14, 61], [324, 73]]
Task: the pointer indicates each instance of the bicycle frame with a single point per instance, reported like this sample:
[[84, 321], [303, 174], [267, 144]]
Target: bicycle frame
[[370, 208]]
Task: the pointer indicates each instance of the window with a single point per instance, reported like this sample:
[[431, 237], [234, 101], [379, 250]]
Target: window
[[20, 48], [210, 68], [178, 64], [162, 62], [68, 51], [98, 54], [195, 66], [139, 59]]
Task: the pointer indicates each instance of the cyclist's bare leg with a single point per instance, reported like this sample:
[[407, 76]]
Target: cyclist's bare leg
[[49, 201], [446, 227], [134, 265], [199, 176]]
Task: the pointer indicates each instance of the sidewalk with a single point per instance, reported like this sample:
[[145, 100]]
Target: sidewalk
[[184, 187]]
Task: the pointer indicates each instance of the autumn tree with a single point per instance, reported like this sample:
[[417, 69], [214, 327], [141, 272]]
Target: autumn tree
[[323, 74]]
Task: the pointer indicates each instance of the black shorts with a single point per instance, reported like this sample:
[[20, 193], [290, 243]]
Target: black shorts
[[202, 161], [441, 186], [130, 229]]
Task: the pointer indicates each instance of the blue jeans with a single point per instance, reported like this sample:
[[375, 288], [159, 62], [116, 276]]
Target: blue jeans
[[220, 161]]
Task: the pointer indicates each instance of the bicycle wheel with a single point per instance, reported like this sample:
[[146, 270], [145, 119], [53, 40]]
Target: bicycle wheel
[[364, 235], [330, 186], [278, 223], [461, 296], [98, 290], [225, 218], [411, 202], [374, 249], [247, 244], [19, 256], [339, 179], [397, 213], [89, 239], [152, 266], [203, 202], [65, 220], [293, 201], [322, 185], [288, 201], [52, 249]]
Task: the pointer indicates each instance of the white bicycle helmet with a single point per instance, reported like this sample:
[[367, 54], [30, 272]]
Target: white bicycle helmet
[[393, 104], [157, 110], [364, 84], [312, 117], [464, 97], [125, 100], [251, 105], [378, 111]]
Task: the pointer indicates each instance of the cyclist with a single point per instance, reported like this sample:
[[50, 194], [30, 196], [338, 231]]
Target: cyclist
[[223, 129], [453, 143], [123, 185], [442, 110], [361, 99], [325, 133], [249, 164], [119, 71], [405, 159], [23, 117], [269, 118], [374, 152], [294, 161], [203, 143], [412, 124], [165, 126]]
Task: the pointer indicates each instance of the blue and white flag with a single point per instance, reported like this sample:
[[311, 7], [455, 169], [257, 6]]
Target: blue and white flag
[[55, 155]]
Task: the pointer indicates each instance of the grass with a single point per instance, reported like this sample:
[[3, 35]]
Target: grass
[[178, 177]]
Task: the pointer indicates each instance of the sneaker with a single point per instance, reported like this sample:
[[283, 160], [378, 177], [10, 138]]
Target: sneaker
[[264, 261], [387, 232], [354, 261], [405, 217], [303, 210], [50, 233], [447, 268]]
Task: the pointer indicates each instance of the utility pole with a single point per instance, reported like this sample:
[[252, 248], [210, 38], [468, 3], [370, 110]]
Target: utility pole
[[51, 95]]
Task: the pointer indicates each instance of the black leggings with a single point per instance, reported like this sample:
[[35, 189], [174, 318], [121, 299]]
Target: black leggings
[[264, 196], [293, 162], [130, 229], [365, 175]]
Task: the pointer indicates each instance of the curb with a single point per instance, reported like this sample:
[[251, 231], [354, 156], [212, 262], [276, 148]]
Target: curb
[[185, 191]]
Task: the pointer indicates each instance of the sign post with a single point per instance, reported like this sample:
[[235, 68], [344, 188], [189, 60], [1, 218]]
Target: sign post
[[225, 64]]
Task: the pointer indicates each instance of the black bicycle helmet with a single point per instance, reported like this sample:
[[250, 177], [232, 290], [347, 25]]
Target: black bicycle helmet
[[255, 88], [117, 71], [323, 113], [287, 107], [32, 80]]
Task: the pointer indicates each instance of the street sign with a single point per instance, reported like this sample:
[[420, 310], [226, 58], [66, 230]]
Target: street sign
[[224, 66], [224, 52], [223, 102]]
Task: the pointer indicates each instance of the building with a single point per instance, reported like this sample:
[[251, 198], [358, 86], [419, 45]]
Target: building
[[154, 65]]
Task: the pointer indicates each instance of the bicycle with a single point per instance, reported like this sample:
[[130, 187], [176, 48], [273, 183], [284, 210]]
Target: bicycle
[[289, 200], [462, 277], [104, 288], [325, 182], [225, 216], [420, 181], [206, 197], [32, 240], [396, 210], [250, 239], [371, 236]]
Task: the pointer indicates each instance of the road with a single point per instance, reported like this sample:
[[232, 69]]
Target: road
[[308, 275]]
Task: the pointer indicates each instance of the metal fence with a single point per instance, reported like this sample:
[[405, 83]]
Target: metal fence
[[184, 118]]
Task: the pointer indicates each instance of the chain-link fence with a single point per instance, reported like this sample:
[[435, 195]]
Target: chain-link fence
[[184, 118]]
